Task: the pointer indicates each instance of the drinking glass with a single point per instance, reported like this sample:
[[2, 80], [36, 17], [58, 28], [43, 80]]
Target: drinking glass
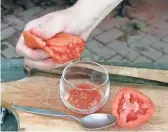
[[84, 86]]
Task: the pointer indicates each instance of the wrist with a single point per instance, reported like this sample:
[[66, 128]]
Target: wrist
[[94, 8]]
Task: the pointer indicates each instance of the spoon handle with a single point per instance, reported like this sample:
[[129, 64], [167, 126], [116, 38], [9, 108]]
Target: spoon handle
[[46, 112]]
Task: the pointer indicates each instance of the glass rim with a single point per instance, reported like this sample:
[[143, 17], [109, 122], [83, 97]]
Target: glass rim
[[106, 72]]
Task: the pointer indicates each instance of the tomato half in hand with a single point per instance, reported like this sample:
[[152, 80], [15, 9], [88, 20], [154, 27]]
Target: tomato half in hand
[[62, 47], [132, 108]]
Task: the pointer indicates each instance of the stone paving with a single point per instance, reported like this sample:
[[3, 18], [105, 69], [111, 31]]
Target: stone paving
[[140, 36]]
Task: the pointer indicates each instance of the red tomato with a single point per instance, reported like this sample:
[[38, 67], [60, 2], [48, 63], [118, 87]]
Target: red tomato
[[132, 108], [62, 47]]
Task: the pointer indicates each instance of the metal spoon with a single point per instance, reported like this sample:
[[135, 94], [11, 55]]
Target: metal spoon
[[92, 121]]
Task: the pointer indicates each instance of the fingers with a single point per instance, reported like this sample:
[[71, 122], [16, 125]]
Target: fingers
[[46, 64], [33, 54]]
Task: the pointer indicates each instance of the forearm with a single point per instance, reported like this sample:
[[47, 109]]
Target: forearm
[[96, 10]]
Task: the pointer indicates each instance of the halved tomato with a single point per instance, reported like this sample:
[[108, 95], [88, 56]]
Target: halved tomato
[[62, 47], [132, 108]]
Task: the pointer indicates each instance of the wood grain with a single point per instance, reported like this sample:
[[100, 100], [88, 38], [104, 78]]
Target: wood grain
[[162, 75], [43, 92]]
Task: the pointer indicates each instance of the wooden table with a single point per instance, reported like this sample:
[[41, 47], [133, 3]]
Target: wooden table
[[43, 92]]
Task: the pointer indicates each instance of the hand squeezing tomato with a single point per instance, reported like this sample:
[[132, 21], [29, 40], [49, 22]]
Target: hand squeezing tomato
[[62, 47], [132, 108]]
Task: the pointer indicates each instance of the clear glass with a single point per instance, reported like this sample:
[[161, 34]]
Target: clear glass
[[84, 86]]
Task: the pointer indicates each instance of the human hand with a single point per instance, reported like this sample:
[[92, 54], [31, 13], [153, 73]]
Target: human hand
[[68, 21]]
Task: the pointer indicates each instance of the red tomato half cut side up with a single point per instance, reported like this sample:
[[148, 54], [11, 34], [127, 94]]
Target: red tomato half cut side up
[[132, 108]]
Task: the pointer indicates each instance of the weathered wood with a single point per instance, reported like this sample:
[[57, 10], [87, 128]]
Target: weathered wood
[[43, 92], [162, 75]]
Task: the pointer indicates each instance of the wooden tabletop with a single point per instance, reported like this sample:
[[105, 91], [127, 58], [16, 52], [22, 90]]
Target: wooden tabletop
[[43, 92]]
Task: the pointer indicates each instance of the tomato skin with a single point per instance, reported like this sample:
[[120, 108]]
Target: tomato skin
[[132, 112], [32, 41], [61, 48]]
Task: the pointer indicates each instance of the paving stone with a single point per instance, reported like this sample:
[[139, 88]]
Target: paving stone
[[86, 53], [136, 37], [60, 2], [91, 45], [102, 60], [36, 1], [107, 24], [160, 23], [3, 46], [149, 40], [29, 14], [15, 22], [104, 52], [18, 9], [147, 51], [161, 33], [163, 59], [119, 47], [116, 58], [48, 10], [7, 32], [145, 42], [109, 35], [3, 24], [86, 58], [89, 54], [95, 57], [161, 46], [143, 15], [13, 40], [120, 21], [100, 50], [45, 4], [143, 59], [164, 15], [123, 50], [9, 52], [150, 29], [94, 33], [27, 4], [132, 55], [165, 39], [18, 34]]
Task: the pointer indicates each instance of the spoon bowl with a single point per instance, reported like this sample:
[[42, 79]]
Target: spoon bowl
[[97, 121]]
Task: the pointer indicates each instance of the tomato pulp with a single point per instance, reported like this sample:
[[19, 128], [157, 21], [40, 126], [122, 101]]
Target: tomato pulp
[[84, 96], [132, 108], [61, 48]]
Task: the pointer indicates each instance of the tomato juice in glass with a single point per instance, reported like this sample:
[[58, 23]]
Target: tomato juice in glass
[[84, 86]]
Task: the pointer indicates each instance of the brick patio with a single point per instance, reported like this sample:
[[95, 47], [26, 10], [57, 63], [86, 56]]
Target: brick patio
[[115, 39]]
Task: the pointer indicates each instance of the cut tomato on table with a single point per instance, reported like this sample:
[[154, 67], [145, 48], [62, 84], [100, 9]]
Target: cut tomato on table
[[62, 47], [84, 97], [132, 108]]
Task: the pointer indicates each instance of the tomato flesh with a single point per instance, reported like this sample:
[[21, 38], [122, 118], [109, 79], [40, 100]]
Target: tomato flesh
[[132, 108], [85, 97], [62, 47]]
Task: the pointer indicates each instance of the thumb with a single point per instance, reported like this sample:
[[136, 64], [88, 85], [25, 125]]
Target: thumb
[[47, 30]]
